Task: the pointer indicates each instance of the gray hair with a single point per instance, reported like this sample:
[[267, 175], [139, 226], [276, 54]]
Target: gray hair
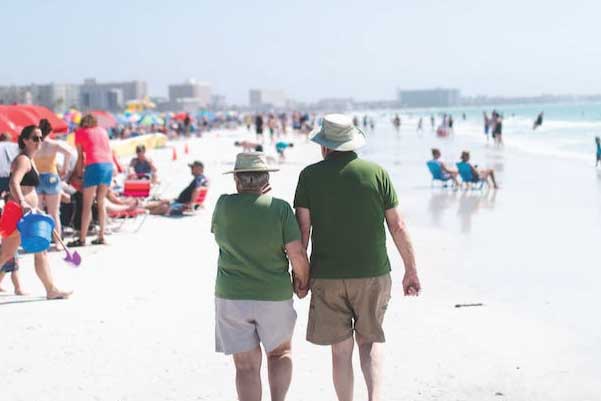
[[252, 181]]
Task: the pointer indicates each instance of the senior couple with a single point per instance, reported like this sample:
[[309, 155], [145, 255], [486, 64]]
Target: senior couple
[[342, 204]]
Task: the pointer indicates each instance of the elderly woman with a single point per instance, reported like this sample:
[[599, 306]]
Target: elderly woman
[[93, 150], [257, 236], [24, 178]]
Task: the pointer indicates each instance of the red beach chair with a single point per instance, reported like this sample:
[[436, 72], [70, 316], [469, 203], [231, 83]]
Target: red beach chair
[[137, 188]]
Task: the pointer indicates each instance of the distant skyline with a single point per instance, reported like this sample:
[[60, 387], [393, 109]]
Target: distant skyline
[[310, 49]]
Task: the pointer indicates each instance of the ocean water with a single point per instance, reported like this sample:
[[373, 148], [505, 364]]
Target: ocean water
[[568, 129], [533, 244]]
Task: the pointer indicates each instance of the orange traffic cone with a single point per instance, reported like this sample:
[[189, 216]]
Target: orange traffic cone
[[174, 155], [186, 149]]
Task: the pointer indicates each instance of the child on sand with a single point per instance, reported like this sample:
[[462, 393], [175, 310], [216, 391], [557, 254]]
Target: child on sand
[[12, 267], [281, 147]]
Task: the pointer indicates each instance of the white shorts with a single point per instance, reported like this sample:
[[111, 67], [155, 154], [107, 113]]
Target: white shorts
[[241, 325]]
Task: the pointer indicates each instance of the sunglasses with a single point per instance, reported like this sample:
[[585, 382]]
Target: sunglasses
[[36, 138]]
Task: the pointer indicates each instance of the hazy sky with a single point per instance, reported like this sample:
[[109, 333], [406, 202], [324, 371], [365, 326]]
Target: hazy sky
[[311, 49]]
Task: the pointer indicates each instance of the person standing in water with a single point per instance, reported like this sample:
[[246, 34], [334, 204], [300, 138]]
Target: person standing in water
[[486, 125], [396, 121], [538, 122], [598, 142]]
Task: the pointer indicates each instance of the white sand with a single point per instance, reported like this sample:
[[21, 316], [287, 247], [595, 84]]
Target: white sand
[[140, 324]]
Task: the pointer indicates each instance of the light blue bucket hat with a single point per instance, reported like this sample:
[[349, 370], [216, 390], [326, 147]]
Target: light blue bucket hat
[[337, 132]]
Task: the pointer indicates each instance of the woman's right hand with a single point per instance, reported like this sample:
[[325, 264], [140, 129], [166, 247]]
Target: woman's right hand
[[26, 206]]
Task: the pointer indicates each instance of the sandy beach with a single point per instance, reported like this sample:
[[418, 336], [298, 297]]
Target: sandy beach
[[140, 323]]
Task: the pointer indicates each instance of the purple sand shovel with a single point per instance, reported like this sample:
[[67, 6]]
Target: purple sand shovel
[[72, 258]]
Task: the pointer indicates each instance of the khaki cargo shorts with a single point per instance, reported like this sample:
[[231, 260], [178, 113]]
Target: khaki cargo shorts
[[341, 306]]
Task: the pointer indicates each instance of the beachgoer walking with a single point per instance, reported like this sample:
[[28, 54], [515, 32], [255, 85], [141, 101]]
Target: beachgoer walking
[[93, 151], [598, 143], [447, 172], [479, 174], [396, 122], [342, 203], [8, 151], [50, 188], [486, 125], [432, 122], [259, 127], [420, 124], [539, 121], [497, 132], [23, 198], [258, 237]]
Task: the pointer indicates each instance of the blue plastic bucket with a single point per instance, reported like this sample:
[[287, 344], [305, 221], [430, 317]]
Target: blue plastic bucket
[[36, 232]]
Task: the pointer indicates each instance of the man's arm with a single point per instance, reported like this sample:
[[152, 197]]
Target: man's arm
[[303, 217], [398, 230], [300, 267]]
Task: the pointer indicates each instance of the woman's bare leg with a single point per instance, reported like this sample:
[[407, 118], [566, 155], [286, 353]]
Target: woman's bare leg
[[86, 213], [248, 375], [52, 204], [14, 276], [100, 200], [42, 269]]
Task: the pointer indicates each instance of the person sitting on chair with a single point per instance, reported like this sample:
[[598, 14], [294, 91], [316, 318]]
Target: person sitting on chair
[[142, 167], [186, 199], [479, 174], [446, 172]]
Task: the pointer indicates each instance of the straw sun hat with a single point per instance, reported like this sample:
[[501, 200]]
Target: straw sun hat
[[249, 162], [337, 132]]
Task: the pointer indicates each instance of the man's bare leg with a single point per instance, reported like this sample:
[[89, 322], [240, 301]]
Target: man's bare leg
[[342, 369], [371, 365], [279, 366], [248, 375]]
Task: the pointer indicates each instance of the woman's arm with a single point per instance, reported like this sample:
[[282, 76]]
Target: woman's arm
[[66, 152]]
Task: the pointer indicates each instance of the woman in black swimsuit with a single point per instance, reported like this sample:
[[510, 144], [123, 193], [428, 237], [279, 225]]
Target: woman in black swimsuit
[[23, 197]]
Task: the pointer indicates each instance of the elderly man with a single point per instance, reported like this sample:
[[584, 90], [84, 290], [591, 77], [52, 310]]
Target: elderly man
[[345, 201], [257, 237]]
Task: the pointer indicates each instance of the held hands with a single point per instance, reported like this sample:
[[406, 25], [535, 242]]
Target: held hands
[[300, 289], [411, 285]]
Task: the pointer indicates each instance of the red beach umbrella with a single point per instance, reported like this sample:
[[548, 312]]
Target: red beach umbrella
[[182, 116], [8, 126], [58, 125], [104, 118], [19, 116]]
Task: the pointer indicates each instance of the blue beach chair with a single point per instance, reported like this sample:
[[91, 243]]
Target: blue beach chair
[[437, 173], [465, 172]]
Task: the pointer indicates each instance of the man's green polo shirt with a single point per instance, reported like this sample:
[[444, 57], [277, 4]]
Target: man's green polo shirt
[[347, 198]]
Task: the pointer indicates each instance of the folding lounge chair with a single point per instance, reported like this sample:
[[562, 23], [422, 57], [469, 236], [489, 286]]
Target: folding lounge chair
[[465, 172], [127, 215], [438, 174]]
